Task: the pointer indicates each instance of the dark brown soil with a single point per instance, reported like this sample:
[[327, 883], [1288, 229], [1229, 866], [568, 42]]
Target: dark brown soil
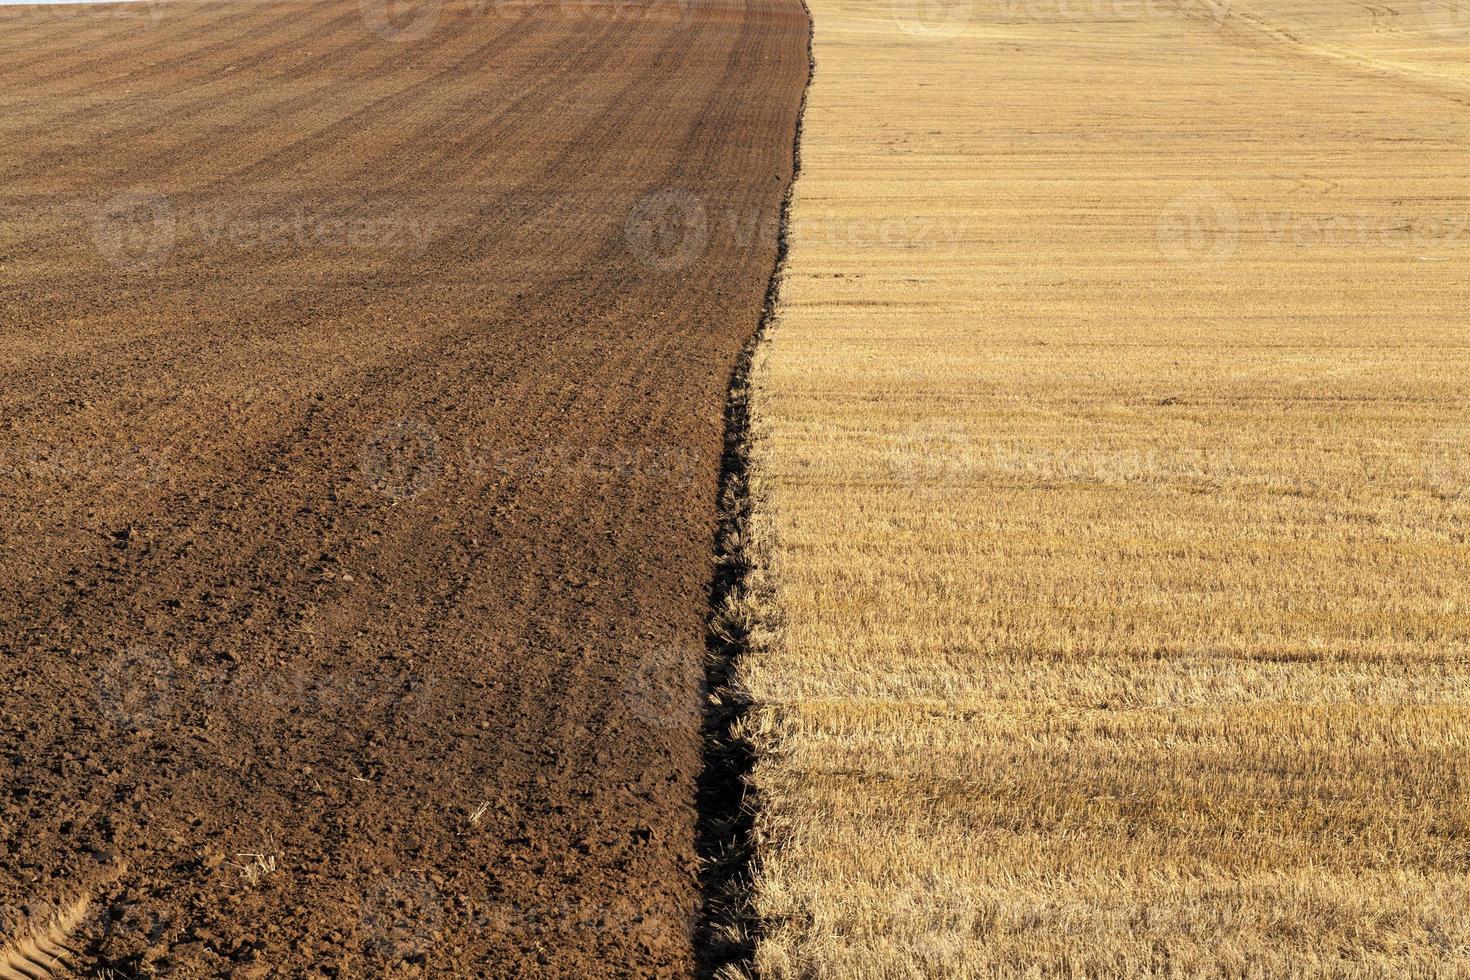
[[361, 389]]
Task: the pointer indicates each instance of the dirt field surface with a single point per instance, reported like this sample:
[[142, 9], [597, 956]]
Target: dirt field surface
[[361, 417], [1112, 475]]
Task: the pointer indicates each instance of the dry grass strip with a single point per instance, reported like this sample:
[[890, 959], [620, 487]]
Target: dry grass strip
[[1112, 452]]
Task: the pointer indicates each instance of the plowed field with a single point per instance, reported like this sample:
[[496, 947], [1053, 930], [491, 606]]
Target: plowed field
[[361, 388]]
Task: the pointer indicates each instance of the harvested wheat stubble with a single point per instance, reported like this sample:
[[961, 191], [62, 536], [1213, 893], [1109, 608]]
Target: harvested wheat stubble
[[363, 376], [1112, 457]]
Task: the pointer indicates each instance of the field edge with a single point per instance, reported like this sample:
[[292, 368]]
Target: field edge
[[744, 614]]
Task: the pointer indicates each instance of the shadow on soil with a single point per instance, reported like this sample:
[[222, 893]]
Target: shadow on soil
[[725, 937]]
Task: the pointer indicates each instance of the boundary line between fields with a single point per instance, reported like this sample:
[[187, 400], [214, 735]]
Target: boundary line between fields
[[741, 607]]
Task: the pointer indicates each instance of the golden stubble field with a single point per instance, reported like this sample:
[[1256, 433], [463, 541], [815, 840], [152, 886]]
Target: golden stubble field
[[1111, 454]]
